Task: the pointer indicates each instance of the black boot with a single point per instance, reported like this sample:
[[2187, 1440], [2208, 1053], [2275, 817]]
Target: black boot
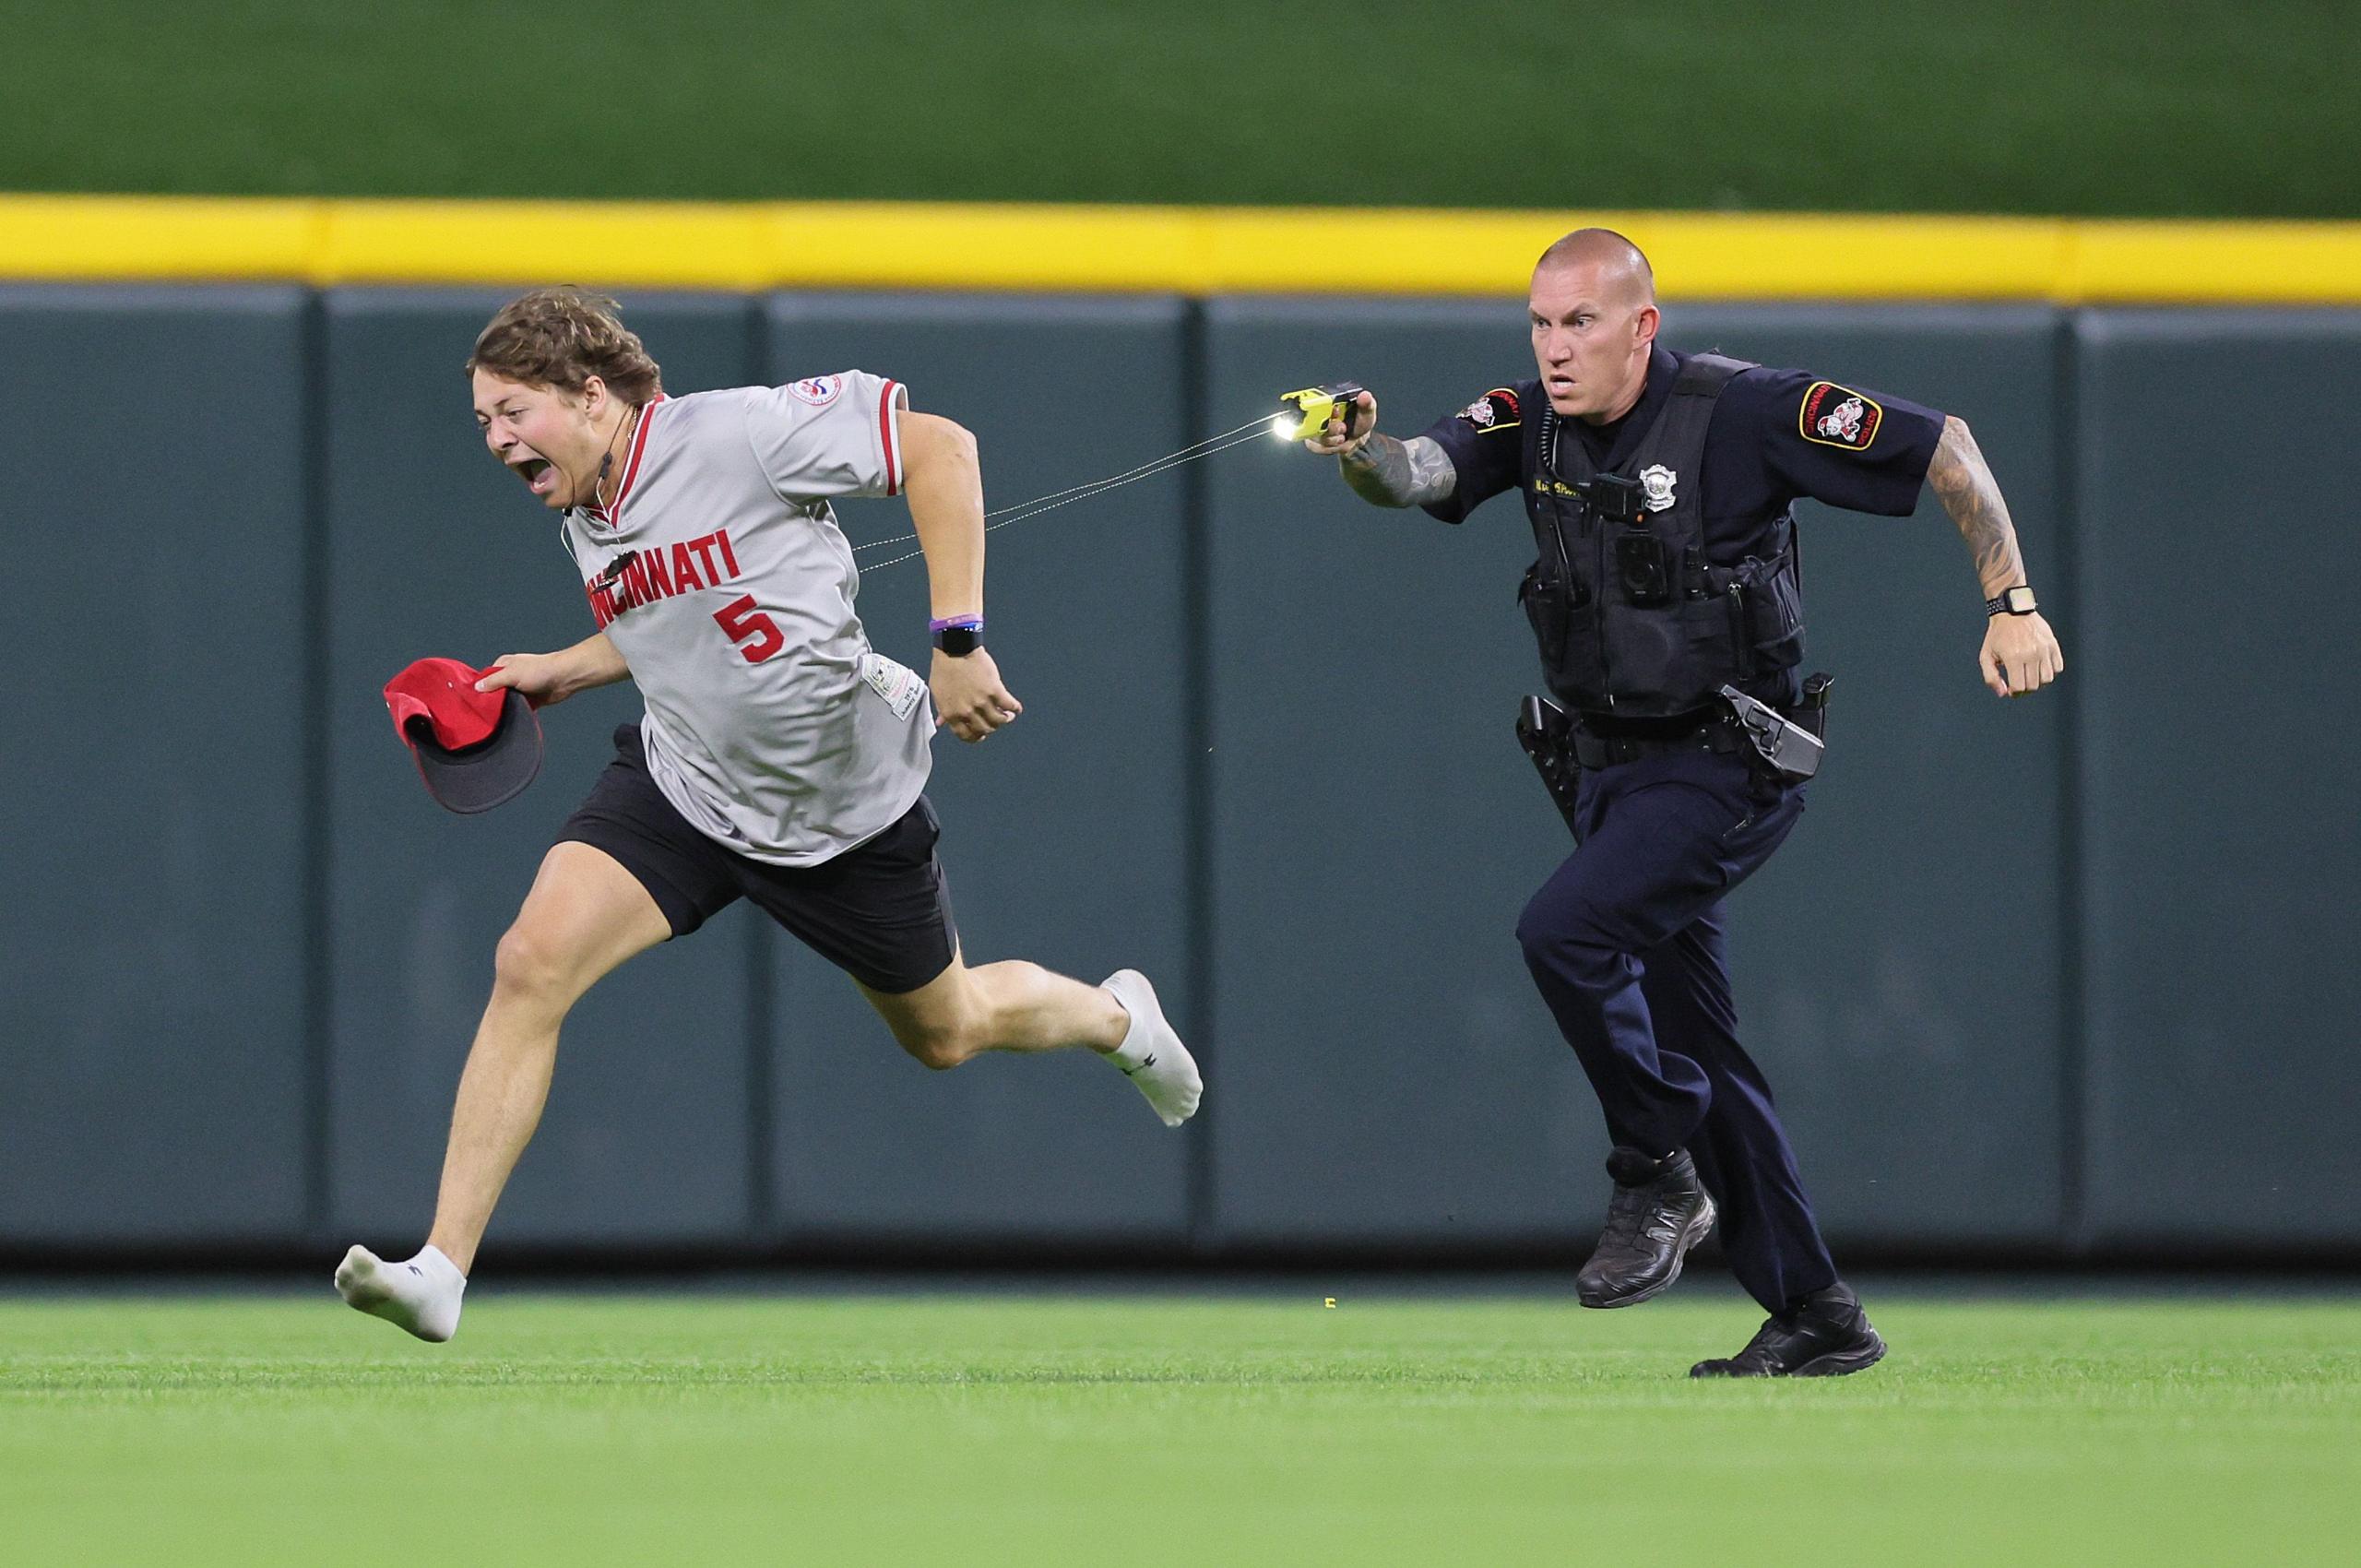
[[1658, 1212], [1826, 1334]]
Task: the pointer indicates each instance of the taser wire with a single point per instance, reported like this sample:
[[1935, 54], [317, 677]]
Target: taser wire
[[1253, 429]]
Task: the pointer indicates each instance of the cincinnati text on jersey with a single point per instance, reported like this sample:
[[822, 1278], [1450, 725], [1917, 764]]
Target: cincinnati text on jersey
[[657, 573]]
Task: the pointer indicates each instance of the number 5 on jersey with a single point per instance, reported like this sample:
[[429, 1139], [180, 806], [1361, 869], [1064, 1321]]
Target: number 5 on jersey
[[756, 635]]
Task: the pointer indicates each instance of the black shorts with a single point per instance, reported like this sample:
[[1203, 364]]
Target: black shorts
[[881, 911]]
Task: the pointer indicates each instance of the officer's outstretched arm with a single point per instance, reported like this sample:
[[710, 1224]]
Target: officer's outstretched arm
[[1381, 469], [2020, 652]]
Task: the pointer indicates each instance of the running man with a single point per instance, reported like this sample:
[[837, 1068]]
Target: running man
[[779, 759]]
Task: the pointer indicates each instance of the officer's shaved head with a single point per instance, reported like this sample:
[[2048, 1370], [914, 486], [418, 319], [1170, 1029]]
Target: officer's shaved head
[[1618, 262], [1594, 313]]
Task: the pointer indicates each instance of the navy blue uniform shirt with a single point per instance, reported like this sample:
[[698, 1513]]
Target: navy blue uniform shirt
[[1775, 436]]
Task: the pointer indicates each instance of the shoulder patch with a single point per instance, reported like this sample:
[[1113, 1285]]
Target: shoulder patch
[[1838, 416], [817, 390], [1495, 409]]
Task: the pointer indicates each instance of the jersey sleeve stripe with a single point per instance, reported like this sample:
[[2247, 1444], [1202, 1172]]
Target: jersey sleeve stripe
[[885, 437]]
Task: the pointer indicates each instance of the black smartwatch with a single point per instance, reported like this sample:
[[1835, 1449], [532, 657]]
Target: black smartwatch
[[960, 636], [2017, 600]]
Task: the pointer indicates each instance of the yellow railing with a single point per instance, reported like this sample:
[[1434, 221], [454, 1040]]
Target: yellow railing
[[1176, 249]]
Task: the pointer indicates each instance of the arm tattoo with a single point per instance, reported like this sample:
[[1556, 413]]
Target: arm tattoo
[[1387, 472], [1964, 484]]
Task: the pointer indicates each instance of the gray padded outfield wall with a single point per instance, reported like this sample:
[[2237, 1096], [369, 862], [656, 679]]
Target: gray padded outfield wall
[[2222, 767], [2031, 977], [153, 1076]]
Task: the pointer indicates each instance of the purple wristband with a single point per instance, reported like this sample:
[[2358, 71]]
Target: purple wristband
[[968, 622]]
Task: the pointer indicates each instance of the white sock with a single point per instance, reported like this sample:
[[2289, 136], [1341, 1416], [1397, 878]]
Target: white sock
[[1152, 1055], [421, 1295]]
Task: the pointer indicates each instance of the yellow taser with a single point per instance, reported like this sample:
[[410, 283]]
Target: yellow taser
[[1303, 414]]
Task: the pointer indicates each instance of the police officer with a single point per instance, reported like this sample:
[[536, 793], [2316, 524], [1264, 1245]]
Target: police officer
[[1660, 489]]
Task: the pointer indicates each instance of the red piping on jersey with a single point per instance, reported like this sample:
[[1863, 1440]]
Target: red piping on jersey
[[630, 463], [885, 436]]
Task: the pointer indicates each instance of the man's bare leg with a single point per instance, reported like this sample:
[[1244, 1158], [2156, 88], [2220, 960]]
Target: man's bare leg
[[963, 1013], [584, 917]]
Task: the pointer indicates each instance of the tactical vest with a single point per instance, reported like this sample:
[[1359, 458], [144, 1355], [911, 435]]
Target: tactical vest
[[1634, 621]]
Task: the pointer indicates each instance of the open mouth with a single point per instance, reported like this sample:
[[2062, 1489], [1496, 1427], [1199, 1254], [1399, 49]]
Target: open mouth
[[539, 477]]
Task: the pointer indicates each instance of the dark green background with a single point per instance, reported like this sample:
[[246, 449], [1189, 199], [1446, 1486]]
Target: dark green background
[[2134, 107]]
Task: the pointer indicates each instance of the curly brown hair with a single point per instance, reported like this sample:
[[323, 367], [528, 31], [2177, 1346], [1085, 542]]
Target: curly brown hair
[[562, 337]]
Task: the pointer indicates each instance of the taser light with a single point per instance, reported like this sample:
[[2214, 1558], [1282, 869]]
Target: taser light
[[1302, 415]]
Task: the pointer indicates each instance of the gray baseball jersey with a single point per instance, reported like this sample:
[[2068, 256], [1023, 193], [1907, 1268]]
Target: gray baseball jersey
[[718, 572]]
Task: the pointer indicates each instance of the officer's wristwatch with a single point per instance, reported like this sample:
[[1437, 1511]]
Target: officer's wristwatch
[[2017, 600]]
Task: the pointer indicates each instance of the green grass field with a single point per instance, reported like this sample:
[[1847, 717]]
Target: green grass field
[[1054, 1429], [2135, 107]]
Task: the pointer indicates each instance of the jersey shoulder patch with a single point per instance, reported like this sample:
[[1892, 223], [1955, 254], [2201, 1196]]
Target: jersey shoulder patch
[[817, 390], [1830, 415], [1496, 410]]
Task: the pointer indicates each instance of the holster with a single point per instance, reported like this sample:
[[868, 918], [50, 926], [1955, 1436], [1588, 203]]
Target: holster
[[1787, 743], [1546, 735]]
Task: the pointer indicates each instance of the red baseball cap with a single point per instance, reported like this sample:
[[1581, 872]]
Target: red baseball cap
[[475, 750]]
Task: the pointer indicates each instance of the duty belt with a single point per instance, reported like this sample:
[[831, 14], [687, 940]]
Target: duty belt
[[1719, 735]]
